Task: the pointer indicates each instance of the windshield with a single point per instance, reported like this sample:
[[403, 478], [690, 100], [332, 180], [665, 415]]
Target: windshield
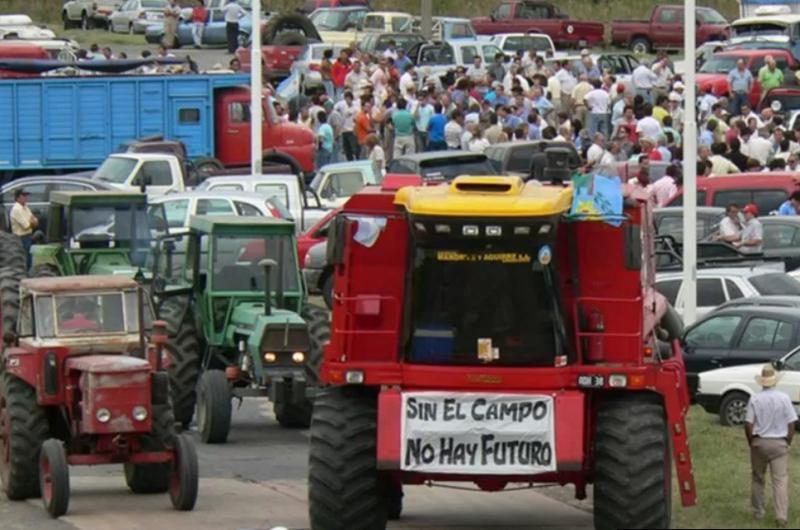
[[115, 169], [153, 4], [451, 167], [330, 19], [759, 28], [710, 16], [719, 65], [89, 314], [238, 263], [116, 226], [776, 283], [528, 42]]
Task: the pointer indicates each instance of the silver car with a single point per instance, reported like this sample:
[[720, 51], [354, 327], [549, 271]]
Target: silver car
[[179, 206], [133, 16]]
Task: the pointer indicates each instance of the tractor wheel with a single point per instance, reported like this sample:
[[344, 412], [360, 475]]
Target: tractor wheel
[[733, 409], [13, 254], [185, 352], [319, 330], [345, 489], [184, 477], [632, 474], [54, 477], [395, 501], [9, 298], [44, 270], [214, 407], [24, 428], [293, 416], [153, 478]]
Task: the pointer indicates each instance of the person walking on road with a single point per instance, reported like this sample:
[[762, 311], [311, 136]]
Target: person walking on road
[[23, 222], [233, 12], [171, 14], [769, 428], [199, 19]]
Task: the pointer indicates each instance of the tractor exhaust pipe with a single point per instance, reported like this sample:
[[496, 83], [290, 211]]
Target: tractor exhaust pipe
[[267, 264]]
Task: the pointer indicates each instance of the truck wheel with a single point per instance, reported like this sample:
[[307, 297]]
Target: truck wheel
[[185, 477], [24, 427], [85, 22], [632, 491], [640, 46], [395, 501], [277, 158], [345, 489], [9, 297], [300, 23], [153, 478], [205, 166], [65, 20], [184, 350], [13, 254], [319, 330], [214, 407], [290, 39], [733, 409], [54, 478], [45, 270], [293, 415]]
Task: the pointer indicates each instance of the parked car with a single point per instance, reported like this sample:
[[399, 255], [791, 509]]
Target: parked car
[[541, 17], [437, 59], [87, 14], [376, 43], [60, 49], [39, 188], [447, 28], [382, 21], [669, 221], [718, 285], [335, 183], [283, 40], [441, 166], [22, 27], [214, 33], [511, 43], [781, 30], [162, 173], [620, 65], [766, 190], [664, 29], [339, 25], [527, 158], [304, 206], [310, 5], [726, 391], [775, 300], [133, 16], [314, 235], [714, 73], [308, 63], [736, 336], [318, 273], [784, 102], [179, 206]]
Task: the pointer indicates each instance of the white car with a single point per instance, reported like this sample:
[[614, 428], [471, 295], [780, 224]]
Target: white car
[[133, 16], [510, 43], [22, 27], [308, 63], [717, 286], [179, 206], [726, 391]]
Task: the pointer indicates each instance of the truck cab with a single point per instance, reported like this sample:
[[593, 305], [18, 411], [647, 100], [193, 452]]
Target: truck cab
[[157, 172], [335, 183]]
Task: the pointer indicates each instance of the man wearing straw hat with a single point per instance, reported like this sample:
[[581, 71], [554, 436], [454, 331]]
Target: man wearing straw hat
[[769, 427]]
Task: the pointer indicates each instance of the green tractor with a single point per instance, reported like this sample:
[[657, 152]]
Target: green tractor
[[239, 325], [97, 233]]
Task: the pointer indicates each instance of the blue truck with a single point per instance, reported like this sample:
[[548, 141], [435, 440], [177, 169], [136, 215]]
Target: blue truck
[[71, 123]]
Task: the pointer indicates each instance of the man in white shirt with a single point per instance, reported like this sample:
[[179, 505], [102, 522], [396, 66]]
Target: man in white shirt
[[407, 80], [597, 102], [354, 80], [233, 12], [648, 127], [643, 80], [349, 108], [23, 222], [754, 146], [730, 228], [769, 428], [752, 233], [453, 130], [597, 155], [477, 71]]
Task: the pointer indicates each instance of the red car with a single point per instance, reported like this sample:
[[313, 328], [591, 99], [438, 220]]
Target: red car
[[714, 73], [528, 16], [664, 29], [766, 190], [316, 234]]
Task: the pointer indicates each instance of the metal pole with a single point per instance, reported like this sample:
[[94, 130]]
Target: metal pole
[[256, 113], [689, 171], [426, 16]]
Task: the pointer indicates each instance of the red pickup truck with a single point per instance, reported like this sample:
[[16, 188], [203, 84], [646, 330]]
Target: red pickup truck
[[665, 29], [284, 39], [515, 16]]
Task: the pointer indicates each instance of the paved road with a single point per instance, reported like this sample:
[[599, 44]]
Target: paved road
[[257, 481]]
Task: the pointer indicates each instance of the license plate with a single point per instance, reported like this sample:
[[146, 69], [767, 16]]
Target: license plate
[[478, 433], [591, 381]]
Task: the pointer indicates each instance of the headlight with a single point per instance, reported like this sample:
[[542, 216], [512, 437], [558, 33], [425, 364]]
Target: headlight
[[270, 357], [139, 413], [103, 415], [298, 357]]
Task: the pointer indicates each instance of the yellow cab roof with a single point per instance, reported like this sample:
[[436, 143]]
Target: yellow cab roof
[[486, 196]]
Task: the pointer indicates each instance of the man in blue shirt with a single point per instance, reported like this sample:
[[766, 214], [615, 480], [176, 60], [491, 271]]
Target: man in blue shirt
[[792, 206], [324, 140], [436, 129], [740, 81]]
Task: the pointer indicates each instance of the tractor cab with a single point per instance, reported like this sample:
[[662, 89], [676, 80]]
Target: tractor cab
[[98, 232], [85, 315]]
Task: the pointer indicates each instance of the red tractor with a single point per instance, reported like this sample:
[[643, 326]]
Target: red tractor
[[84, 385], [480, 333]]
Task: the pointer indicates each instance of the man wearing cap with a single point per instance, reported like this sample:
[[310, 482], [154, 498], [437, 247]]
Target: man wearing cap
[[752, 232], [769, 428], [23, 222]]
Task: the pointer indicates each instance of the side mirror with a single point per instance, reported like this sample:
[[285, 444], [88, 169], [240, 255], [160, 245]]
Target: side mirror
[[778, 364]]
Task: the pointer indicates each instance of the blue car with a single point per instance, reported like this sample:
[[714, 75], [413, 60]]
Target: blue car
[[213, 35]]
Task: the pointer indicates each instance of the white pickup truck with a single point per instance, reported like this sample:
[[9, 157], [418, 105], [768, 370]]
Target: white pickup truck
[[159, 173]]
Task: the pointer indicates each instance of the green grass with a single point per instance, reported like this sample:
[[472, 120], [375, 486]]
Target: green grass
[[721, 461], [100, 37]]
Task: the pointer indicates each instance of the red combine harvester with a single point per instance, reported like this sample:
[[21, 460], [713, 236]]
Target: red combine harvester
[[482, 334], [77, 389]]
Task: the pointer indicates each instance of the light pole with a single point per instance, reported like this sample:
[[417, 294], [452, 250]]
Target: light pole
[[426, 16], [256, 113], [689, 170]]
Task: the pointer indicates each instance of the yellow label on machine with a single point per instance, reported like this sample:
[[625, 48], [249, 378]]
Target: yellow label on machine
[[498, 257]]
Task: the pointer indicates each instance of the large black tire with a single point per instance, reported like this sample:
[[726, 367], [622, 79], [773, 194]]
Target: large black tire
[[733, 409], [25, 428], [54, 478], [640, 45], [13, 254], [319, 331], [672, 323], [214, 407], [293, 415], [183, 490], [345, 489], [395, 501], [153, 478], [9, 298], [205, 166], [290, 39], [65, 19], [293, 21], [44, 270], [632, 477], [185, 350]]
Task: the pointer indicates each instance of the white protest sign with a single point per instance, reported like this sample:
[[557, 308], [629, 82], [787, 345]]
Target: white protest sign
[[477, 433]]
